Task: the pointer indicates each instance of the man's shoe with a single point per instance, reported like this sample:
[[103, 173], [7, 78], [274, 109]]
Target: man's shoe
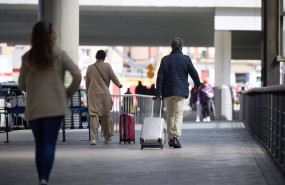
[[170, 143], [93, 142], [176, 143]]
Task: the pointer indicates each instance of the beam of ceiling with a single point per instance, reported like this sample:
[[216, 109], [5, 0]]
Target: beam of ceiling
[[246, 45], [133, 26], [138, 26]]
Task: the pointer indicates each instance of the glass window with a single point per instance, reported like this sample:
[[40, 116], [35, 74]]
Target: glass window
[[204, 54], [204, 74], [86, 52], [241, 77], [258, 79]]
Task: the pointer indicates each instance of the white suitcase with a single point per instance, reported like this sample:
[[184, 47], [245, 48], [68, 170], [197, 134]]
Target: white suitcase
[[153, 131]]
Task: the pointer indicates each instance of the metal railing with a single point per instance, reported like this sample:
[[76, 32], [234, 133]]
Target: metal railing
[[263, 112], [13, 102], [138, 105]]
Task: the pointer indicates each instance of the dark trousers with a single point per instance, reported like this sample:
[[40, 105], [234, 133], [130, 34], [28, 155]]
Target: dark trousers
[[45, 132], [206, 109]]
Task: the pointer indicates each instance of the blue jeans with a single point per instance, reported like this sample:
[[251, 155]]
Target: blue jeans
[[45, 132]]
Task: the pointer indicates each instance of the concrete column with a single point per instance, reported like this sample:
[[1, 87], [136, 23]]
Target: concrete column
[[270, 67], [64, 15], [223, 45]]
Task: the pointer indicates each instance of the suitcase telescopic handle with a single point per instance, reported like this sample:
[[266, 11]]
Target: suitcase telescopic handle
[[158, 99], [120, 108]]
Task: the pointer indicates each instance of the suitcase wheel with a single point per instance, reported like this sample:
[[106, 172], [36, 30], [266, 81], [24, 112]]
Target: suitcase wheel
[[161, 147], [141, 147], [159, 140]]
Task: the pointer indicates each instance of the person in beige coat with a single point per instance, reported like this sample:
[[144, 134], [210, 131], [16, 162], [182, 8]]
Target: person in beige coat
[[98, 77], [42, 77]]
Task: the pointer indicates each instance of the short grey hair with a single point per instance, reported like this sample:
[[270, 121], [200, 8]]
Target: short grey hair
[[177, 44]]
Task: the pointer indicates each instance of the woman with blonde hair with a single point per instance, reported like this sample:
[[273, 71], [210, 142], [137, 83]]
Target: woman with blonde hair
[[42, 77]]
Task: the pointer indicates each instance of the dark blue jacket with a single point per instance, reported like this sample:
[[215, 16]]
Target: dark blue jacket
[[172, 77]]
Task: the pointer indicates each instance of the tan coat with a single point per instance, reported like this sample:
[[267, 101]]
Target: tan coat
[[46, 95], [99, 97]]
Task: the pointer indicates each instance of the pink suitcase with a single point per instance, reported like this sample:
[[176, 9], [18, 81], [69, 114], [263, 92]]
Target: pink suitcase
[[127, 128]]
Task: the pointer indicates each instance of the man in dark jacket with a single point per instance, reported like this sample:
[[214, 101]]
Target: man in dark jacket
[[193, 98], [172, 85]]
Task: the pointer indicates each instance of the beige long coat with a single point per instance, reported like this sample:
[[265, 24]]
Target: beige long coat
[[46, 94], [99, 97]]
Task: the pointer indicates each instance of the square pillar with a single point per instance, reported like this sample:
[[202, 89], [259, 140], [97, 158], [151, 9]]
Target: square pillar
[[64, 15], [270, 74], [223, 48]]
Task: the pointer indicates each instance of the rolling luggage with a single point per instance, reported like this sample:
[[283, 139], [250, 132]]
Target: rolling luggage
[[153, 131], [127, 128]]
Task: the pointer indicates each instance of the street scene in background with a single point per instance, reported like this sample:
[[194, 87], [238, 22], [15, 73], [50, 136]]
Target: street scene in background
[[142, 92]]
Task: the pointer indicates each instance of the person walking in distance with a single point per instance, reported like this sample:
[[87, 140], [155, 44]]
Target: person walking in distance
[[98, 78], [42, 77], [204, 97], [193, 103], [172, 85]]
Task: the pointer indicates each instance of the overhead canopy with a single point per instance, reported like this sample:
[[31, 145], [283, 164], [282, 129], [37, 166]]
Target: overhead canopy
[[133, 26]]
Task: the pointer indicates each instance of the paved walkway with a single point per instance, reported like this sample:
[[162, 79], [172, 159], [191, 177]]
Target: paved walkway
[[213, 153]]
